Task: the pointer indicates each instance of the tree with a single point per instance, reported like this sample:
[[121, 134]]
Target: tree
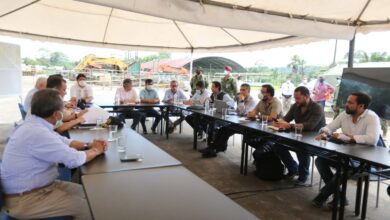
[[159, 56], [297, 64], [378, 56]]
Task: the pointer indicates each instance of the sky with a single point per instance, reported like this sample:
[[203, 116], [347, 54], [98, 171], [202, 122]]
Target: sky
[[317, 53]]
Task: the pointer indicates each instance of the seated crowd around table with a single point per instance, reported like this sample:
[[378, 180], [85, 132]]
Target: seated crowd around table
[[35, 148]]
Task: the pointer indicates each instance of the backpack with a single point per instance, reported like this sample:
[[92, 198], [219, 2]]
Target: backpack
[[268, 164]]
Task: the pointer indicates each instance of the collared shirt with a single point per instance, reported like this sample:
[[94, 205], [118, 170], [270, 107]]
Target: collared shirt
[[168, 97], [31, 156], [288, 88], [200, 98], [267, 108], [321, 91], [148, 94], [81, 92], [313, 119], [366, 130], [243, 107], [27, 100], [125, 96]]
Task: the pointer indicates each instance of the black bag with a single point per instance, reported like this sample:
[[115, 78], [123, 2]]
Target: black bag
[[114, 121], [268, 164]]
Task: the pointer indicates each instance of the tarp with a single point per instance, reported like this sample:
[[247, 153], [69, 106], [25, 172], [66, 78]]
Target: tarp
[[189, 25]]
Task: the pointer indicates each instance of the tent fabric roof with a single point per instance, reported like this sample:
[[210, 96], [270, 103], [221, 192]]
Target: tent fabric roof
[[191, 25]]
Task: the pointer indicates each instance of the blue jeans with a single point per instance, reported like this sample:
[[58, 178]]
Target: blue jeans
[[304, 161]]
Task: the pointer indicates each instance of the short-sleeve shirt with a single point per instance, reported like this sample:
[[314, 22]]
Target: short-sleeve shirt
[[148, 94], [267, 108], [126, 95], [81, 92]]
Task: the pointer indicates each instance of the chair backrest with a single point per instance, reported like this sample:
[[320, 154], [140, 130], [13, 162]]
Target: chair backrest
[[381, 142], [22, 112]]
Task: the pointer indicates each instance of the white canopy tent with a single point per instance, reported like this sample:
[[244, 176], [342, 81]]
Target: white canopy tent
[[189, 25]]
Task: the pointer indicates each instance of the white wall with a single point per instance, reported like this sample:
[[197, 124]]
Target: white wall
[[10, 70]]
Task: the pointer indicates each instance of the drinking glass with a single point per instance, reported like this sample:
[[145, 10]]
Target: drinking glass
[[264, 120], [298, 131], [112, 129], [122, 142]]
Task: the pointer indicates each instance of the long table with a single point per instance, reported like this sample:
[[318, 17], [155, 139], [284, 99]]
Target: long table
[[153, 156], [373, 156], [159, 193], [159, 187], [164, 108]]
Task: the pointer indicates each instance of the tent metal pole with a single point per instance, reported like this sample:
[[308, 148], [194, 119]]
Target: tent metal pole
[[334, 54], [191, 63], [351, 52]]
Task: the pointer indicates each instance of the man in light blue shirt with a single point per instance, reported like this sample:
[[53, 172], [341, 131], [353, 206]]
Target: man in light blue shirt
[[171, 96], [150, 96], [29, 166], [39, 85]]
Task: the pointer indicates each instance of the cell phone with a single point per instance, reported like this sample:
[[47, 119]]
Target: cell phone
[[131, 157]]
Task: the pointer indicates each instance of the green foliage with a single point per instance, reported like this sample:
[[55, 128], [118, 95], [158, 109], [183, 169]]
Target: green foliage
[[159, 56], [363, 57], [49, 59], [297, 64]]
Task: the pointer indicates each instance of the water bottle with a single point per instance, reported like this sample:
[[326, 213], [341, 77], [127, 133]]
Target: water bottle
[[207, 105], [175, 99], [117, 100]]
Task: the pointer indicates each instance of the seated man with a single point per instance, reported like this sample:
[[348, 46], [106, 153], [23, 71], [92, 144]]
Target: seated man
[[81, 90], [358, 125], [208, 126], [171, 95], [150, 96], [199, 98], [268, 105], [308, 114], [39, 85], [70, 118], [245, 104], [127, 95], [29, 166]]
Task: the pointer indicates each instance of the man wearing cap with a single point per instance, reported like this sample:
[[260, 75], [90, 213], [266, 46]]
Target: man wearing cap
[[229, 83], [198, 77]]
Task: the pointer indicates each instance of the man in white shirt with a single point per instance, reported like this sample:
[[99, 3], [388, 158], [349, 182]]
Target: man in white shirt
[[245, 104], [199, 98], [29, 164], [126, 96], [39, 85], [287, 93], [358, 125], [172, 95], [81, 90]]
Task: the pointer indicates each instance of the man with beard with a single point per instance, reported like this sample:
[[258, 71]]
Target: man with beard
[[358, 125], [308, 115]]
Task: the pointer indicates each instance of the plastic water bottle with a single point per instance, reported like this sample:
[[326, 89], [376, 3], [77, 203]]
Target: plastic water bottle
[[117, 100], [175, 99], [207, 105]]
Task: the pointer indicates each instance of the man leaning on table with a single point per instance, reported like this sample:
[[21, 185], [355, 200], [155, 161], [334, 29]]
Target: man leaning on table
[[29, 166], [310, 116], [358, 125]]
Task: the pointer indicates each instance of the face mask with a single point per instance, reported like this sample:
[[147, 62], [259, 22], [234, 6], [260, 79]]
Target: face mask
[[198, 91], [260, 95], [304, 81], [149, 87], [321, 80], [226, 72], [59, 121], [82, 83], [288, 81]]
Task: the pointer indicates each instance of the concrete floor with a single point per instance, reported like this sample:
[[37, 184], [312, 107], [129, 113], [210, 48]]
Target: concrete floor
[[271, 200]]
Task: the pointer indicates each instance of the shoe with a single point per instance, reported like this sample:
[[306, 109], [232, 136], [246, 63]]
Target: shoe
[[204, 149], [300, 182], [171, 129], [290, 175], [209, 154], [329, 205], [319, 201], [153, 131], [145, 132]]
